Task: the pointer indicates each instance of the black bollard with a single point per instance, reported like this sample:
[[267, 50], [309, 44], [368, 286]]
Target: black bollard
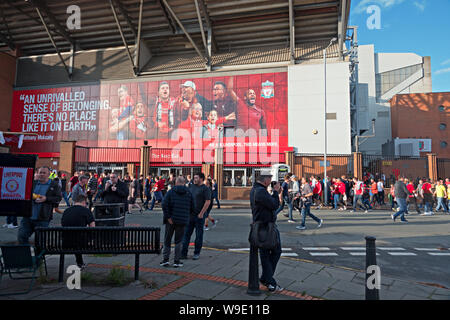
[[372, 292], [253, 273]]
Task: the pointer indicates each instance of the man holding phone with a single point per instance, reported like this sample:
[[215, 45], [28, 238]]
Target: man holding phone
[[264, 206], [116, 191]]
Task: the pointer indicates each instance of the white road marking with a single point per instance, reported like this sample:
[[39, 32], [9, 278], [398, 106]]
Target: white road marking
[[439, 254], [291, 254], [354, 248], [426, 249], [402, 254], [323, 253], [316, 249], [393, 249], [360, 254]]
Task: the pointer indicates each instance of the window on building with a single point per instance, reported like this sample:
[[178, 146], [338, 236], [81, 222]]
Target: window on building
[[442, 126], [441, 108], [444, 144], [386, 81]]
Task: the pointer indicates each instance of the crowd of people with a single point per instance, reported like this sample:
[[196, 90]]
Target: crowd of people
[[370, 193], [187, 203]]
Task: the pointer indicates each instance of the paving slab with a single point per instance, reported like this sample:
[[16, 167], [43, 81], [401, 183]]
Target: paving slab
[[337, 273], [334, 294], [349, 287], [227, 272], [238, 293], [308, 289], [129, 292], [203, 289], [440, 297], [413, 297], [63, 294], [416, 289], [179, 296], [391, 294]]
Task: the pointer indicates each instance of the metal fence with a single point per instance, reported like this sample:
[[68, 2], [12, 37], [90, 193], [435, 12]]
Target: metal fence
[[306, 165], [443, 168], [390, 168]]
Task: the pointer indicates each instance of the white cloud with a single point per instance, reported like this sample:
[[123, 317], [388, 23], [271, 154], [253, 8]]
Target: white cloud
[[446, 62], [421, 4], [364, 4], [442, 71]]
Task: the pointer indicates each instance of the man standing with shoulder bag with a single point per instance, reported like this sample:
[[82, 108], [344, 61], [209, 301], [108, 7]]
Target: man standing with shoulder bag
[[263, 206]]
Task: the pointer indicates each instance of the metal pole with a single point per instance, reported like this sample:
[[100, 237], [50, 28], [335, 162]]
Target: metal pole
[[325, 131], [122, 36], [371, 260], [253, 273]]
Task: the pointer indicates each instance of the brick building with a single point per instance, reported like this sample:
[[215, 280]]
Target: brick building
[[423, 116]]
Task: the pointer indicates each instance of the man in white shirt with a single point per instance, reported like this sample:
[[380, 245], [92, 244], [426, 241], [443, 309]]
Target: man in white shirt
[[380, 187]]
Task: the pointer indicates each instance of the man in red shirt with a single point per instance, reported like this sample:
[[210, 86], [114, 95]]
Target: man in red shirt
[[412, 198], [139, 123], [164, 113], [158, 187], [427, 195], [249, 115]]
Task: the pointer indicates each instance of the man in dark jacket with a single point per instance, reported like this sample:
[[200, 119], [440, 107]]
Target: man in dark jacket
[[116, 191], [46, 195], [401, 193], [178, 204], [263, 207]]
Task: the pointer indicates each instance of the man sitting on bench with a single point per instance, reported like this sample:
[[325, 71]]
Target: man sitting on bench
[[77, 215]]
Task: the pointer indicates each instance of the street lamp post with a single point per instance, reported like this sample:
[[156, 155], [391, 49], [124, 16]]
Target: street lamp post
[[325, 124]]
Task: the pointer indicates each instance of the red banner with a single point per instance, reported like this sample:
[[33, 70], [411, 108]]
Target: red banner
[[240, 112]]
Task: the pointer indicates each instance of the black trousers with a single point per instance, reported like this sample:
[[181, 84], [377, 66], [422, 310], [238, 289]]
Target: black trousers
[[178, 229]]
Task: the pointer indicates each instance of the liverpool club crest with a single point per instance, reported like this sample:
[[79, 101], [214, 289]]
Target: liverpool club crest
[[267, 90]]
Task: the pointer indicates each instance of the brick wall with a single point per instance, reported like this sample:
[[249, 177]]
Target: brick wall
[[418, 116]]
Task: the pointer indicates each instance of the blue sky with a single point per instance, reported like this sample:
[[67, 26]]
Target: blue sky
[[418, 26]]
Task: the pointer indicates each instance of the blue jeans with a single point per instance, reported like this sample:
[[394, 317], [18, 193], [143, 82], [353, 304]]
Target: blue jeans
[[306, 212], [66, 199], [27, 227], [194, 223], [428, 206], [269, 260], [402, 205], [441, 204], [336, 201], [11, 220], [216, 197], [157, 196], [448, 206], [284, 201], [356, 198]]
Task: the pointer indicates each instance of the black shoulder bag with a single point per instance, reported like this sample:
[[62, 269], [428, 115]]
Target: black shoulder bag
[[264, 235]]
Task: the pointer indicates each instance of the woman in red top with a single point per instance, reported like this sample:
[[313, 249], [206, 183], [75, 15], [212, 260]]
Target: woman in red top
[[412, 197]]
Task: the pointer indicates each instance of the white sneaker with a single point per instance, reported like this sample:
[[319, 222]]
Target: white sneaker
[[320, 223], [214, 224], [300, 228], [5, 225], [205, 228], [11, 226], [367, 211]]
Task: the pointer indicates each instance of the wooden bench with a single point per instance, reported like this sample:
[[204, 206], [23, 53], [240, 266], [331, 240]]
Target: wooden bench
[[98, 240]]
